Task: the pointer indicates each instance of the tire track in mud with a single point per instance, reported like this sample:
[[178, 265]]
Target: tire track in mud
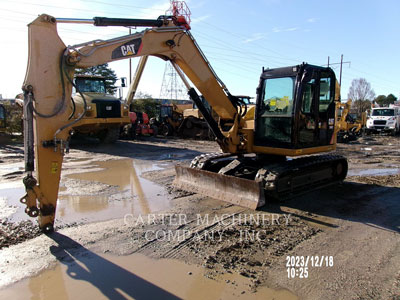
[[181, 234], [197, 231], [221, 245]]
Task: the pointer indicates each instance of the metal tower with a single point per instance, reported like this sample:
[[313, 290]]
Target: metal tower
[[172, 86]]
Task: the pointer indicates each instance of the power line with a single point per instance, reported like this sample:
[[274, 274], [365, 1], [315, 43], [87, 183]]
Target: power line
[[77, 9], [124, 5], [246, 53], [385, 82], [236, 35], [348, 62], [18, 12], [249, 54], [51, 6], [341, 66]]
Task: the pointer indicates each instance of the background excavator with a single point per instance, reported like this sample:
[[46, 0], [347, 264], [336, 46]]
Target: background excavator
[[255, 141], [350, 128], [183, 120]]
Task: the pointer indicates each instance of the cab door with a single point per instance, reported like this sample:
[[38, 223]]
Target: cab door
[[316, 112], [274, 117], [326, 107]]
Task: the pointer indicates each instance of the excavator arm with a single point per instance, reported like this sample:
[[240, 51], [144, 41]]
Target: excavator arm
[[48, 86], [136, 79]]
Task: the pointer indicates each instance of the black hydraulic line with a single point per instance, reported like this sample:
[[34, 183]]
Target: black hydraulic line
[[206, 114], [63, 69], [102, 21], [29, 152], [73, 109]]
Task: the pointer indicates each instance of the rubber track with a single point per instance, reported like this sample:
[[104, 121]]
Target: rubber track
[[301, 167]]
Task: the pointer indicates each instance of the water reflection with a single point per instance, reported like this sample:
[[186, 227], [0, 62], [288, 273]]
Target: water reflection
[[135, 195]]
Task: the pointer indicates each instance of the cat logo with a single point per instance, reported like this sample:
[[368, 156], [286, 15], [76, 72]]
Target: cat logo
[[130, 48]]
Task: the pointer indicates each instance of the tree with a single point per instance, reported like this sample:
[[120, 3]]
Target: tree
[[380, 100], [390, 99], [361, 94], [104, 71], [383, 100], [13, 118], [145, 103]]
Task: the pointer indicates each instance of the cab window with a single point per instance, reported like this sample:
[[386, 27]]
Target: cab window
[[308, 94], [325, 95], [278, 96]]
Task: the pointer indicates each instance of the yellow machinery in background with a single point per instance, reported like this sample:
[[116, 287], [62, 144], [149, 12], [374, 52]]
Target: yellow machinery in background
[[183, 120], [350, 128], [104, 115]]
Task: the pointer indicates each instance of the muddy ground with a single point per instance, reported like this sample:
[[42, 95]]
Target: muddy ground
[[117, 201]]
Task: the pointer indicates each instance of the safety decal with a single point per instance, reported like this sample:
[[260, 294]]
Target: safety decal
[[54, 167]]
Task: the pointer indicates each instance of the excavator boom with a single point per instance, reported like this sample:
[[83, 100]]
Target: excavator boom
[[48, 86]]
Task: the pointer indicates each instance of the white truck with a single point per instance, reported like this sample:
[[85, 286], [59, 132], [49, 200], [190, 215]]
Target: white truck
[[384, 119]]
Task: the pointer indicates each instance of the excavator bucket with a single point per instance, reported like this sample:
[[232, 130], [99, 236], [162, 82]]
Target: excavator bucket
[[238, 191]]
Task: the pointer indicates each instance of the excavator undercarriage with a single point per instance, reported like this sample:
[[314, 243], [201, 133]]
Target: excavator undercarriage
[[252, 181]]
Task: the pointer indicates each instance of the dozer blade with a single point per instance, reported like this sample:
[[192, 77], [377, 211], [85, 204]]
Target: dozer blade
[[238, 191]]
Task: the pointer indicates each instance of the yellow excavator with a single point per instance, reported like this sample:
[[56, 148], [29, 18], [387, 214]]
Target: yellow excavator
[[174, 119], [266, 149], [350, 128]]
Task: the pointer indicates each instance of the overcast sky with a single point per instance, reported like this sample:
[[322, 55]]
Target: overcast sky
[[237, 37]]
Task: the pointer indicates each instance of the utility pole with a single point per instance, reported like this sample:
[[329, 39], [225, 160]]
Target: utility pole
[[341, 67], [130, 63]]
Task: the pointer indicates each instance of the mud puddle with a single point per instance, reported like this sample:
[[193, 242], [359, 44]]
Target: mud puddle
[[134, 194], [374, 172], [88, 201], [9, 203], [11, 171], [10, 168], [93, 276]]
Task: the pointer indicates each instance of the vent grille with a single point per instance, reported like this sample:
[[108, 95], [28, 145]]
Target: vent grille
[[379, 122], [108, 108]]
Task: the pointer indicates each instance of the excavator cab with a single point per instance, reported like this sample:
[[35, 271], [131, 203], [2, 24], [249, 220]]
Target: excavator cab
[[295, 108], [294, 117]]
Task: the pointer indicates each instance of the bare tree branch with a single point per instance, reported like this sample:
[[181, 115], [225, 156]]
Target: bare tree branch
[[361, 93]]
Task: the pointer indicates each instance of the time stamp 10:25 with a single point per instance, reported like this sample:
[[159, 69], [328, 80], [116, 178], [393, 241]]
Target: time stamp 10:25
[[298, 266]]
